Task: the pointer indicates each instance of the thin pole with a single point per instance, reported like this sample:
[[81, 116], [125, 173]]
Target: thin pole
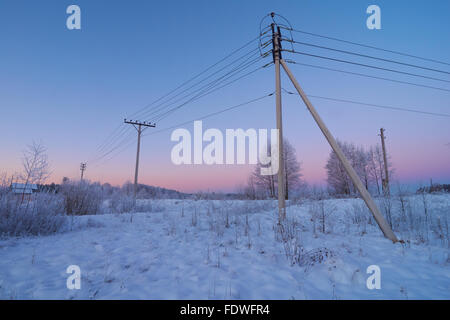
[[386, 188], [139, 130], [387, 231], [82, 168], [277, 56], [138, 126]]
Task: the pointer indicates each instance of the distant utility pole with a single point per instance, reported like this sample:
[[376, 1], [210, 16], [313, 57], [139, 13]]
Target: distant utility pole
[[138, 126], [276, 41], [82, 168], [385, 181]]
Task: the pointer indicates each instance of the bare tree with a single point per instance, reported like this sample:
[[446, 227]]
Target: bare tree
[[376, 167], [264, 184], [338, 178], [36, 168], [267, 184], [369, 165], [250, 191], [291, 167]]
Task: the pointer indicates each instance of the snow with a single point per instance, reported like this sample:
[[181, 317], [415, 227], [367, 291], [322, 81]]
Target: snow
[[206, 250]]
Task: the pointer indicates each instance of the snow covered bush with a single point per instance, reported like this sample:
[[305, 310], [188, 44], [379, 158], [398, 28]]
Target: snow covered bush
[[124, 203], [81, 198], [41, 214], [121, 203], [288, 233], [148, 206]]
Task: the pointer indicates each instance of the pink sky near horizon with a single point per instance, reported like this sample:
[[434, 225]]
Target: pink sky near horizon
[[410, 167]]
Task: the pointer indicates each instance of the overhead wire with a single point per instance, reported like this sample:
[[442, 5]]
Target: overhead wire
[[365, 45], [113, 135], [361, 103], [119, 133], [240, 67], [366, 56], [366, 75], [187, 122], [196, 97], [365, 65]]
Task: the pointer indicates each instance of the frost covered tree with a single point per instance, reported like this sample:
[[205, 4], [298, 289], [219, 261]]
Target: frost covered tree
[[291, 168], [368, 165], [264, 184], [376, 167], [36, 168], [267, 184], [338, 178]]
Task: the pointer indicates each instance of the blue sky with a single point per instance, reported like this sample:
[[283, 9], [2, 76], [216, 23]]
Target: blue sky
[[71, 88]]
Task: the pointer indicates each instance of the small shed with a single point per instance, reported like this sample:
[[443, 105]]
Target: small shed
[[22, 188]]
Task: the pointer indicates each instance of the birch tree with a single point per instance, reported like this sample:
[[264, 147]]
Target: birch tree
[[268, 184], [36, 168]]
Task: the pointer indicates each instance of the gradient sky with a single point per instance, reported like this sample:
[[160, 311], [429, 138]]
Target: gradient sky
[[70, 89]]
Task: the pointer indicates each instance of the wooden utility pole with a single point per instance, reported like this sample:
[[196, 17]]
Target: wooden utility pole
[[385, 228], [82, 168], [385, 181], [138, 126], [276, 41]]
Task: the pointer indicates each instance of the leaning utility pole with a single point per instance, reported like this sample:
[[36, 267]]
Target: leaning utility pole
[[276, 41], [385, 228], [82, 168], [138, 126], [385, 181]]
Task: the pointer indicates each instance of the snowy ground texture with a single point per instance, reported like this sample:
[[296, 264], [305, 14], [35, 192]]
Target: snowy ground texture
[[229, 250]]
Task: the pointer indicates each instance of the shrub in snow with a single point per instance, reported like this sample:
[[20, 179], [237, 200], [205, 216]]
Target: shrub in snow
[[81, 198], [41, 214], [148, 206], [288, 233], [315, 256], [321, 215], [123, 203]]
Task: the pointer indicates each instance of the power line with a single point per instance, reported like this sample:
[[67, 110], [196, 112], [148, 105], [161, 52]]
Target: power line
[[373, 105], [199, 74], [210, 85], [184, 123], [252, 54], [117, 134], [366, 75], [204, 94], [211, 114], [198, 96], [365, 65], [112, 135], [365, 46], [365, 56], [112, 149]]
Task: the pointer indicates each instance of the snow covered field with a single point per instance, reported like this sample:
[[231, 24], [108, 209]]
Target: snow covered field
[[231, 250]]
